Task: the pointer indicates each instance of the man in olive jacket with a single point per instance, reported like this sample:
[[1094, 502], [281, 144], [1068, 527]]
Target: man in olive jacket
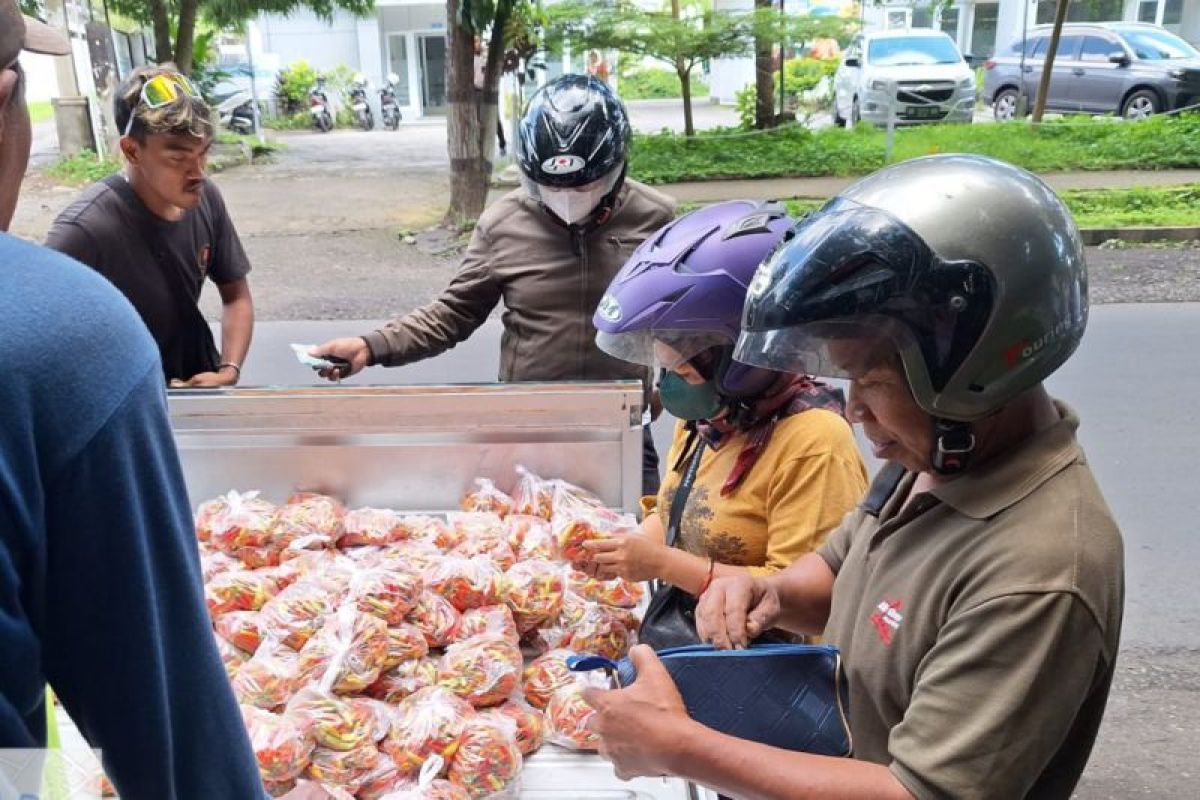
[[548, 250]]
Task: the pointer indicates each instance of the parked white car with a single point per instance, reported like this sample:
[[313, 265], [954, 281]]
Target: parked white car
[[919, 71]]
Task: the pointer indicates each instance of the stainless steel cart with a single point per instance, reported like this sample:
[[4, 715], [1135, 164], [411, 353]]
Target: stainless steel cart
[[417, 448]]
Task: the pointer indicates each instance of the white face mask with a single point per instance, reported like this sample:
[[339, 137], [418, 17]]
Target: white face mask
[[576, 204], [573, 205]]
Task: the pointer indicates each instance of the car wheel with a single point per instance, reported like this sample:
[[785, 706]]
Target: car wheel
[[1004, 107], [838, 119], [1141, 104]]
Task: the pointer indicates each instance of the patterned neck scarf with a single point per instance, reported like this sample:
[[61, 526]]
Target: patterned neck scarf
[[790, 394]]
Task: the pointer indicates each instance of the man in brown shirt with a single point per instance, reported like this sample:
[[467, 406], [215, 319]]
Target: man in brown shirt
[[547, 250], [976, 594]]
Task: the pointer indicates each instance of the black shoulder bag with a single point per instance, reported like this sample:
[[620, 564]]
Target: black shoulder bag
[[670, 619]]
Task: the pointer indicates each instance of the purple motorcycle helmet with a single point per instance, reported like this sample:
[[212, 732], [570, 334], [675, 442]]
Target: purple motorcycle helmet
[[681, 293]]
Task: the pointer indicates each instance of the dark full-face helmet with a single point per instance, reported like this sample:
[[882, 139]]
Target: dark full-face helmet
[[572, 146]]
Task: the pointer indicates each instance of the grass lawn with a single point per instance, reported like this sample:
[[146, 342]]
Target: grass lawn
[[82, 168], [793, 151], [1158, 207], [40, 111]]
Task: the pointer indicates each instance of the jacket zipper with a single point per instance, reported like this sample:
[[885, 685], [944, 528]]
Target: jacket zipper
[[583, 309]]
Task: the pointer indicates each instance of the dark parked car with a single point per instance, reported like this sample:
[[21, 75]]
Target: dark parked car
[[1129, 68]]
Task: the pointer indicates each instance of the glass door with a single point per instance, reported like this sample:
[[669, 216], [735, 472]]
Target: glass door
[[433, 72], [397, 44]]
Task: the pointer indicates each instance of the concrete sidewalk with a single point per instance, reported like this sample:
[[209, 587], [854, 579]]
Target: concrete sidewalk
[[779, 188]]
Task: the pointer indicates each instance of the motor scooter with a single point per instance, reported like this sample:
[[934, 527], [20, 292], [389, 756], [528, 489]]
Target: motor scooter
[[318, 107], [389, 109], [359, 105], [236, 113]]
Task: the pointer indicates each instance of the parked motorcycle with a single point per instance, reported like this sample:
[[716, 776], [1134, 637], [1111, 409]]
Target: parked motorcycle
[[359, 105], [236, 113], [389, 109], [318, 107]]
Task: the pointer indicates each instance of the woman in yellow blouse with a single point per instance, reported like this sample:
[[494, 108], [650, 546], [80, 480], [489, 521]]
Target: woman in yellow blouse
[[777, 465]]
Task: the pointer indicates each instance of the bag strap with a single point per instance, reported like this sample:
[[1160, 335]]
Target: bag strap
[[882, 488], [187, 308], [679, 501]]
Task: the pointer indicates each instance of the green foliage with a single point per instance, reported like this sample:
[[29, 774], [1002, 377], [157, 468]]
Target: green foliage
[[728, 153], [802, 77], [1074, 144], [205, 74], [82, 168], [298, 121], [805, 74], [656, 84], [41, 111], [746, 101], [1174, 206], [1142, 207], [292, 84], [232, 13], [698, 35], [291, 87]]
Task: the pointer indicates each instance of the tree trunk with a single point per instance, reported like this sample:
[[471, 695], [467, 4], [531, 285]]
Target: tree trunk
[[685, 86], [489, 100], [684, 71], [1039, 105], [185, 36], [468, 178], [162, 31], [764, 78]]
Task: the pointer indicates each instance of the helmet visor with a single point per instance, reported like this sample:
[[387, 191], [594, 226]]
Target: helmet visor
[[839, 348], [573, 204], [854, 273], [660, 349]]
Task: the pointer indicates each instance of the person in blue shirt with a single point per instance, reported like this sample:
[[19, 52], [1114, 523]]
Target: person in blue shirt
[[100, 588]]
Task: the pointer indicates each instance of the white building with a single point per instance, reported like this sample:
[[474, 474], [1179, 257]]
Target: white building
[[407, 37]]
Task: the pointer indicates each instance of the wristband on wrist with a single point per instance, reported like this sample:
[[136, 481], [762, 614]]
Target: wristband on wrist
[[712, 571]]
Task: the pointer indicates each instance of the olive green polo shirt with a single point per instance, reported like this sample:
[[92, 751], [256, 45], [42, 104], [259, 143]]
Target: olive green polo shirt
[[979, 626]]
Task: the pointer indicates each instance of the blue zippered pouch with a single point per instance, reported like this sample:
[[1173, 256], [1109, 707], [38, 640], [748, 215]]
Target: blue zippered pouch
[[792, 696]]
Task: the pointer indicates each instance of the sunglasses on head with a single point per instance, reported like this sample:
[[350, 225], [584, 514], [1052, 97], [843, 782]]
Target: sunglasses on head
[[159, 91]]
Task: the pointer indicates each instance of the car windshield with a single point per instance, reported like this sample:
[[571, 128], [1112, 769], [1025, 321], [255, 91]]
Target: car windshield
[[1151, 44], [912, 50]]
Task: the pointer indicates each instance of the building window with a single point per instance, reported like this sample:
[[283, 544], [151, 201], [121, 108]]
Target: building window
[[949, 22], [1147, 11], [1084, 11], [922, 17], [1172, 15], [983, 30], [898, 18]]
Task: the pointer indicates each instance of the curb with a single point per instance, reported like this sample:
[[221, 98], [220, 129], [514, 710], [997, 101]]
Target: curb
[[1096, 236]]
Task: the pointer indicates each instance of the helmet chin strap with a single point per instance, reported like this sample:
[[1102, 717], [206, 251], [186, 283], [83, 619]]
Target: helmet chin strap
[[953, 443]]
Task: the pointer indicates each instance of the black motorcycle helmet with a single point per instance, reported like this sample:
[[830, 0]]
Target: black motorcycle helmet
[[575, 131], [575, 134]]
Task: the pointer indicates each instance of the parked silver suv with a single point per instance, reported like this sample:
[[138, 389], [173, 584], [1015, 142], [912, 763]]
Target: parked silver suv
[[1130, 68]]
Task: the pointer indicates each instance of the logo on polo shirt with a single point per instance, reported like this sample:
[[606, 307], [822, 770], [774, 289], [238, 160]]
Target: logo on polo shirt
[[887, 618]]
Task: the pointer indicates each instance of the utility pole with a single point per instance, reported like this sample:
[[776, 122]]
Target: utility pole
[[253, 79]]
